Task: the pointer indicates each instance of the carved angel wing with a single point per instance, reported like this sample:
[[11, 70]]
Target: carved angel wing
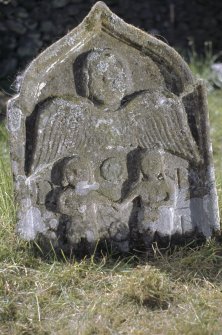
[[160, 120], [59, 130]]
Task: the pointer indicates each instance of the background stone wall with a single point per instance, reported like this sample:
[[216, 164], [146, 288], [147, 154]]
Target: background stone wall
[[28, 26]]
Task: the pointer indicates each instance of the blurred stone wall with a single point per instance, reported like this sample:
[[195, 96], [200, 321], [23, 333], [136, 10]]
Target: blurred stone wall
[[28, 26]]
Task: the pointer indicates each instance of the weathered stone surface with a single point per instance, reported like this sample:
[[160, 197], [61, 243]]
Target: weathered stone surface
[[110, 141]]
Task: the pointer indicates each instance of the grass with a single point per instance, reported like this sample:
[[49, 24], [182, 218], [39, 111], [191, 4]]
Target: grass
[[201, 65], [178, 292]]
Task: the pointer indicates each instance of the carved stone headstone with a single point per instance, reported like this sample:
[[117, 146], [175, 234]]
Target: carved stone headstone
[[110, 141]]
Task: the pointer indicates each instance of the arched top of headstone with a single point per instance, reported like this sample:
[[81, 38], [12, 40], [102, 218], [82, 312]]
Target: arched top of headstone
[[100, 20]]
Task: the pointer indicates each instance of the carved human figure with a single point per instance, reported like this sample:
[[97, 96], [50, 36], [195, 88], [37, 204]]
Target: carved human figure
[[154, 187], [76, 199], [154, 190], [80, 194]]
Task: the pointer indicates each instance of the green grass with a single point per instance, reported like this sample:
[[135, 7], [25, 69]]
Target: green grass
[[201, 65], [177, 292]]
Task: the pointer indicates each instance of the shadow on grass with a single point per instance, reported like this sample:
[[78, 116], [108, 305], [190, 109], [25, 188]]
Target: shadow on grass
[[192, 259]]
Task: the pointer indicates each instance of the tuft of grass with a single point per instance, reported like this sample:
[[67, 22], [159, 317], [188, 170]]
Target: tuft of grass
[[215, 112], [194, 264], [148, 287], [7, 207]]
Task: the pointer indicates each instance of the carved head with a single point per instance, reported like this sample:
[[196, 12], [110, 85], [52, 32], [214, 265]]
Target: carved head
[[74, 171], [104, 78], [152, 165]]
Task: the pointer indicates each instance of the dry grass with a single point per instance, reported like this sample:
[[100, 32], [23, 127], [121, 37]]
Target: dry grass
[[178, 292]]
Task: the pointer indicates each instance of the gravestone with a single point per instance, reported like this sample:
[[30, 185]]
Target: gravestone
[[110, 142]]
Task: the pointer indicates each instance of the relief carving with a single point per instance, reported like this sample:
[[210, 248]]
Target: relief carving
[[110, 152]]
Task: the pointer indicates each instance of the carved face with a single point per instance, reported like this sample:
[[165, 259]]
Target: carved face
[[151, 165], [74, 171], [107, 82], [76, 174]]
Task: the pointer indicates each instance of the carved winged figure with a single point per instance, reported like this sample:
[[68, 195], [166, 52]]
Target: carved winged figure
[[65, 126]]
